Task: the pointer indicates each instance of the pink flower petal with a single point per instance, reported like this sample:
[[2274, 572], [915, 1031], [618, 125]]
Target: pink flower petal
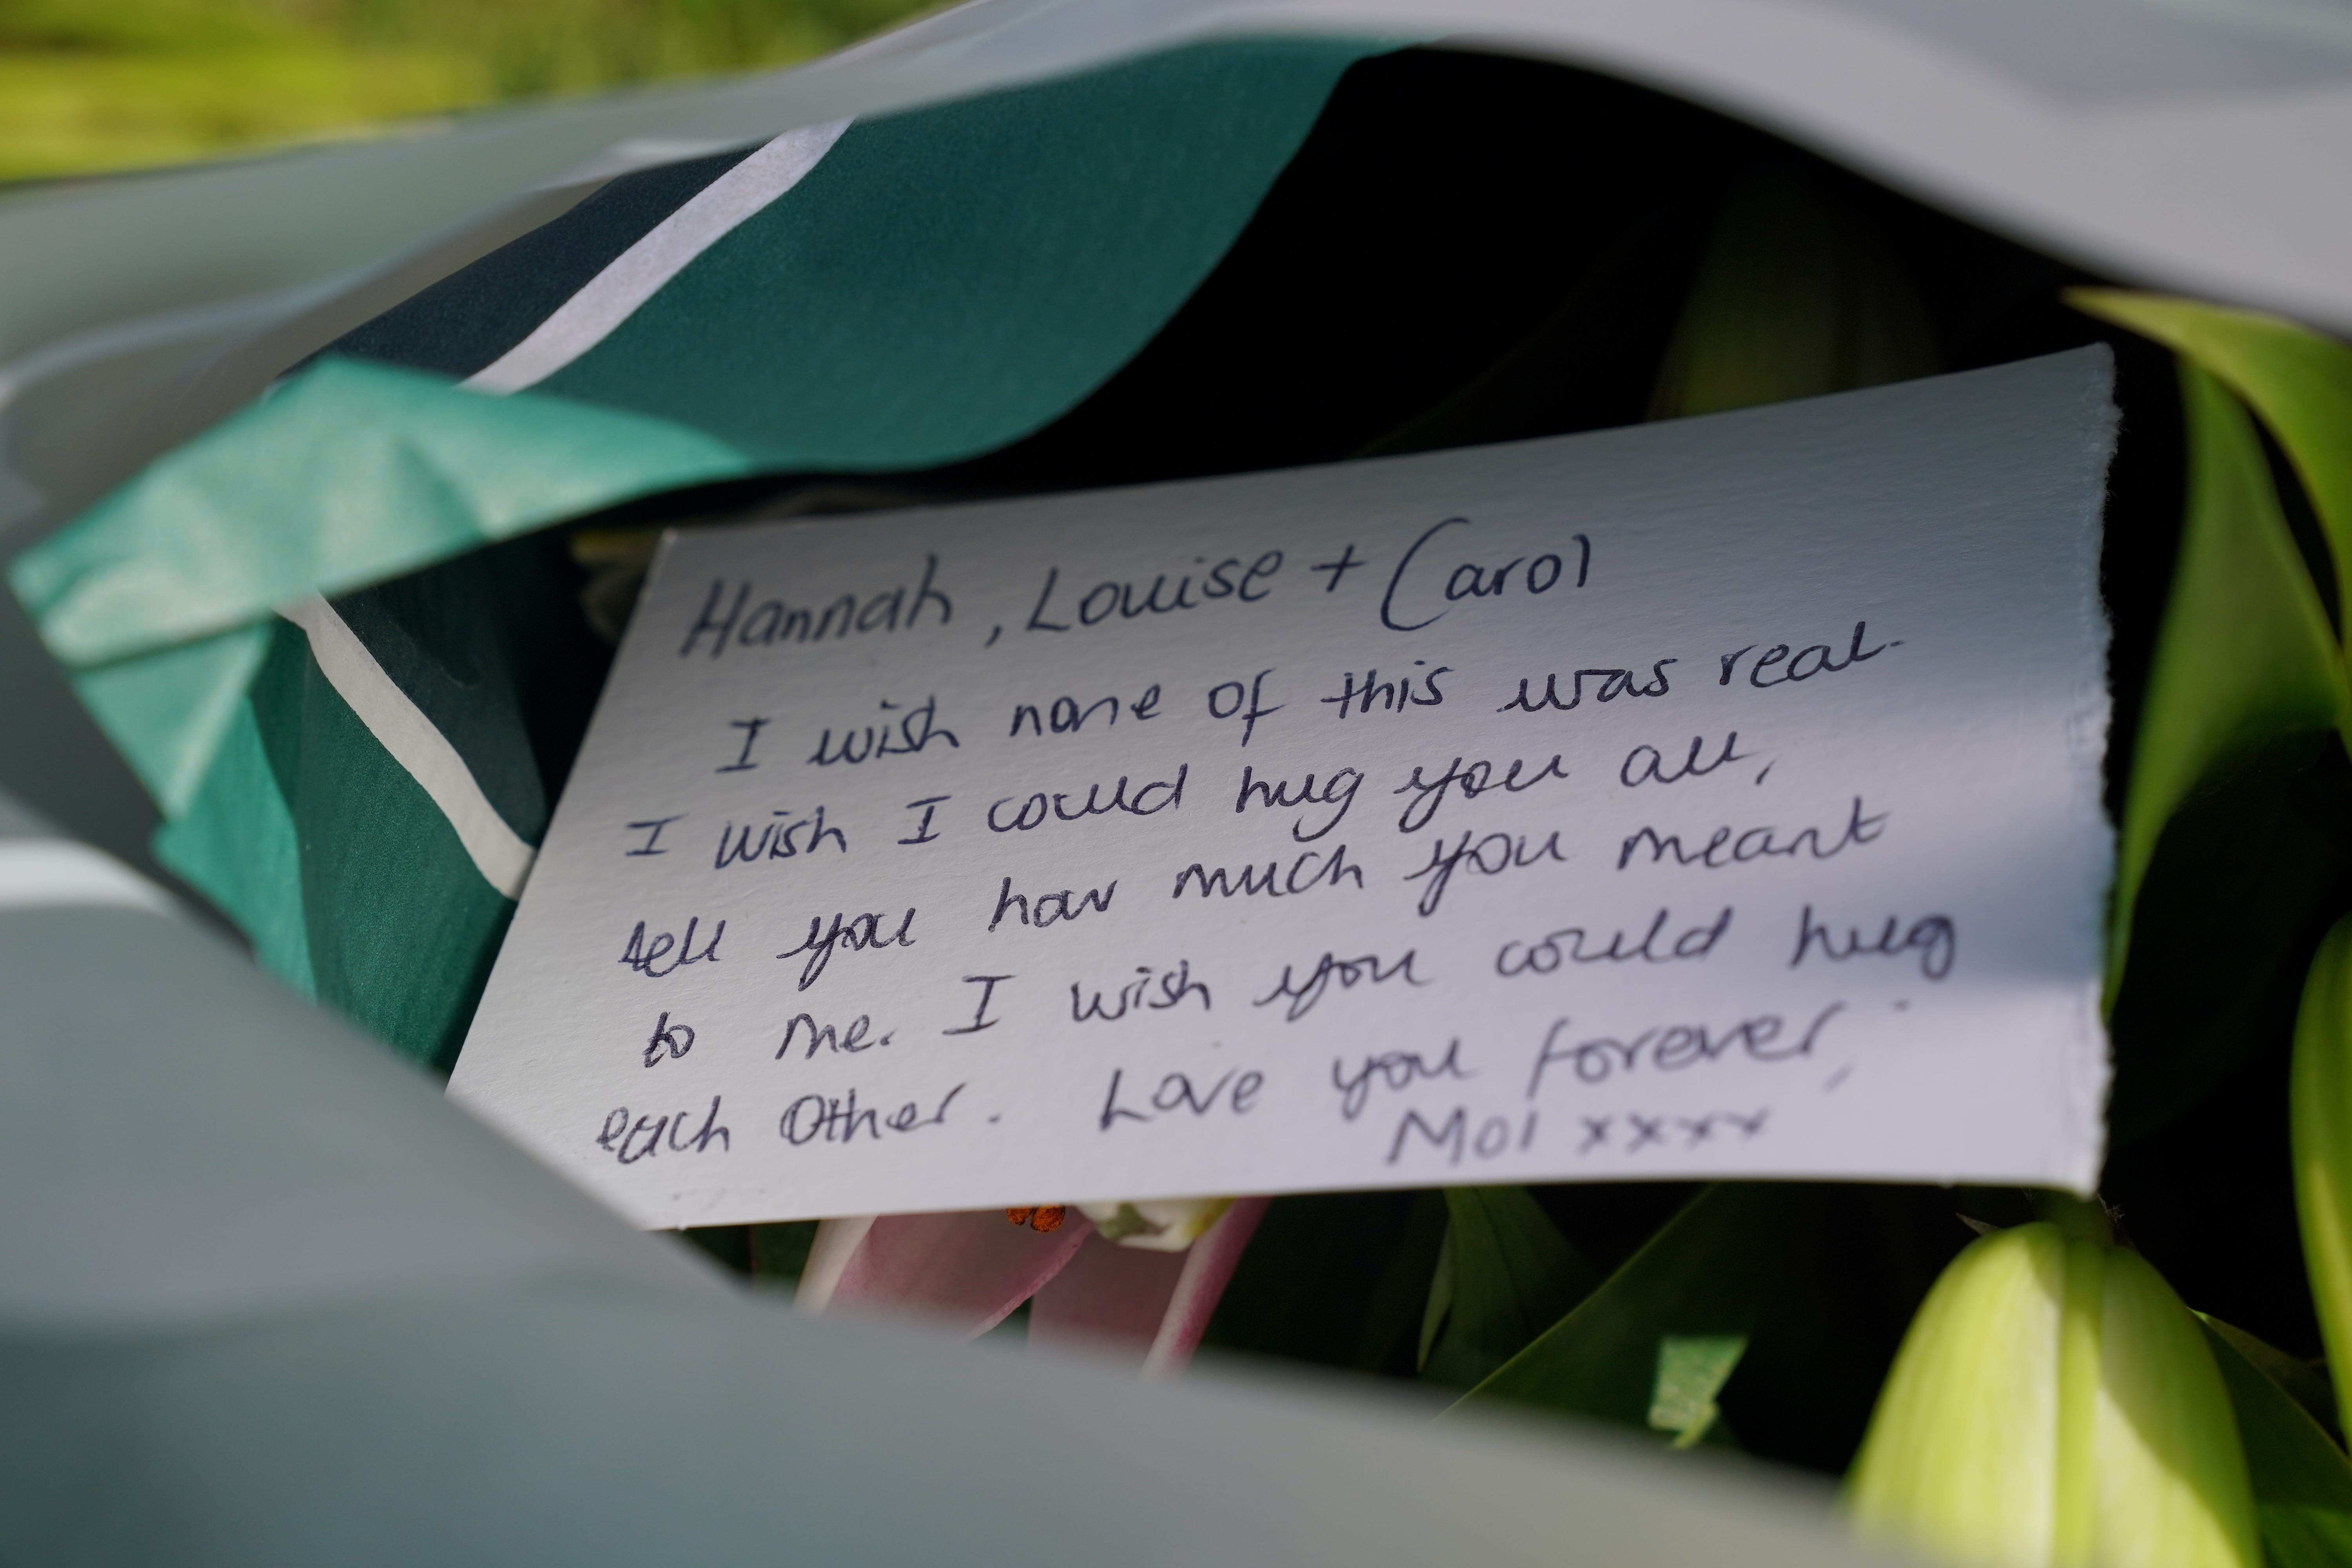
[[836, 1242], [1111, 1299], [1150, 1308], [1209, 1265], [967, 1271]]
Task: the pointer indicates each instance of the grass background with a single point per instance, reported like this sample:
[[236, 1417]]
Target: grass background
[[88, 86]]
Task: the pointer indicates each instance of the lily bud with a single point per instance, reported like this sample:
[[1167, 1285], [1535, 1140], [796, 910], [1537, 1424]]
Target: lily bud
[[1799, 295], [1168, 1225], [2055, 1406]]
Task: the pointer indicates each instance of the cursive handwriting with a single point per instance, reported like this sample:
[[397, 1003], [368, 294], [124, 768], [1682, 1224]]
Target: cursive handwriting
[[1276, 794], [1390, 696], [1067, 717], [855, 932], [1609, 685], [775, 842], [1643, 1131], [1490, 857], [877, 740], [1470, 580], [1453, 1135], [1236, 1091], [1305, 992], [825, 1036], [675, 1040], [1035, 812], [1646, 765], [1824, 662], [1050, 908], [1726, 847], [1175, 985], [840, 1120], [1273, 882], [1106, 599], [1568, 945], [1231, 698], [1399, 1070], [645, 956], [1931, 937], [1669, 1047], [1473, 781], [774, 622], [630, 1141]]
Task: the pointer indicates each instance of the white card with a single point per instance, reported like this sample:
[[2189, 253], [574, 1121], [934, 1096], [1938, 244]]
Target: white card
[[1711, 798]]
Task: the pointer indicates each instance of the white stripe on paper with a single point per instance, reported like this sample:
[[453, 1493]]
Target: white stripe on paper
[[498, 851], [638, 273], [58, 873]]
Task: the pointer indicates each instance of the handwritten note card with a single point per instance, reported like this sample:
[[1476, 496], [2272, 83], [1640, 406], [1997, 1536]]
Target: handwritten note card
[[1709, 798]]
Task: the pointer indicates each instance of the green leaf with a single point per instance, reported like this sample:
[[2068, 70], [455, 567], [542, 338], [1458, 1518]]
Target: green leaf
[[2250, 870], [2306, 1381], [2298, 380], [2319, 1125], [1692, 1370], [728, 1246], [1709, 1276], [1331, 1278], [1505, 1274], [780, 1252], [1440, 1305], [2302, 1487], [2244, 654], [1397, 1305]]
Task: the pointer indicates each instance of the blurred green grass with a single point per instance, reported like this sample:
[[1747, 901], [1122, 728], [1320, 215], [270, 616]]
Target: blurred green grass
[[88, 86]]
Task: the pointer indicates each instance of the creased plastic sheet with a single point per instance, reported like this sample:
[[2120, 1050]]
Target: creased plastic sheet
[[266, 1297]]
